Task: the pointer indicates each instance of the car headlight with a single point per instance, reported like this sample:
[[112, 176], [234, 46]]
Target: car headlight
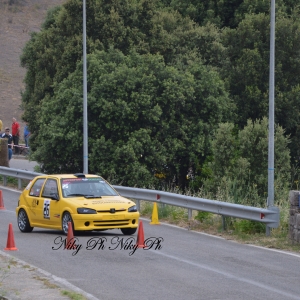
[[84, 210], [132, 208]]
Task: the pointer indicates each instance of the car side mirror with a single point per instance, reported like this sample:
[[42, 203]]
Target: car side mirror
[[54, 197]]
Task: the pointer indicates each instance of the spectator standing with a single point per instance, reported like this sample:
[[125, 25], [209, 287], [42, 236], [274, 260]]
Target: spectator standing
[[1, 126], [26, 134], [9, 137], [15, 128]]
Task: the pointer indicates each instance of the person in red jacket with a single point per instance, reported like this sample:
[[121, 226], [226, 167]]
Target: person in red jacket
[[15, 131]]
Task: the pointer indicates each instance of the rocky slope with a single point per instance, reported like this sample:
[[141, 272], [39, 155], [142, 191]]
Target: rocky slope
[[18, 18]]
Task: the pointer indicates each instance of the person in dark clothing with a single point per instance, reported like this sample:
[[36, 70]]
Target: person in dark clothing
[[15, 134], [8, 136]]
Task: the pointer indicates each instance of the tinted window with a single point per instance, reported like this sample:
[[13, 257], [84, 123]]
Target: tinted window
[[50, 188], [36, 188]]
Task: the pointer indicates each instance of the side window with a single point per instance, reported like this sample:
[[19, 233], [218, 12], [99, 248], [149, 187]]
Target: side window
[[50, 188], [36, 188]]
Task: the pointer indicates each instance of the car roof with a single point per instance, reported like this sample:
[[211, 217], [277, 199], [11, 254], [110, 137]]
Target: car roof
[[61, 176]]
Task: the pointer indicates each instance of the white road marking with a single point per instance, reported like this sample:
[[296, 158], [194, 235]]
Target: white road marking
[[228, 275]]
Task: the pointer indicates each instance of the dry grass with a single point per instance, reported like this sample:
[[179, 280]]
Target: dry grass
[[46, 282]]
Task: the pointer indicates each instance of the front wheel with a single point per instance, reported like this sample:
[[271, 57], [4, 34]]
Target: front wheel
[[65, 220], [23, 221], [128, 231]]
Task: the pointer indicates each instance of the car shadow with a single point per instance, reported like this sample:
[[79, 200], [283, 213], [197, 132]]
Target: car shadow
[[80, 233]]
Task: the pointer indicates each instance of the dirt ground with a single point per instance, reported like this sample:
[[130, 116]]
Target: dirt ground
[[18, 18]]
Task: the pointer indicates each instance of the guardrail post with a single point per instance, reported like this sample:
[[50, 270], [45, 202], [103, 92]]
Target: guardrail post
[[138, 204], [19, 183], [4, 180], [224, 223], [190, 214]]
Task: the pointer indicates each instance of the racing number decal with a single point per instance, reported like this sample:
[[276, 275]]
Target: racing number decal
[[46, 209]]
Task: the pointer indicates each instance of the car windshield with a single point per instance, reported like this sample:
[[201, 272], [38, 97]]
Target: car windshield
[[86, 187]]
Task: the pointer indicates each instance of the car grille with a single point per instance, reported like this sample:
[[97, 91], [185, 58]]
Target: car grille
[[109, 211], [108, 223]]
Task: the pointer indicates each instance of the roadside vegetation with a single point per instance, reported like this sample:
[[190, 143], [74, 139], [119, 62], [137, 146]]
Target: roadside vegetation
[[4, 273], [73, 295], [177, 100], [163, 78], [13, 182], [243, 231]]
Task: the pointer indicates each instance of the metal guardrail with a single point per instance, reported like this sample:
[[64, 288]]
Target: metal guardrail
[[269, 216], [17, 173]]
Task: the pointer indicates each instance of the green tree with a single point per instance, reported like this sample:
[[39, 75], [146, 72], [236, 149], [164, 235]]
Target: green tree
[[248, 71], [226, 13], [143, 116], [170, 100], [54, 53], [154, 90], [241, 160]]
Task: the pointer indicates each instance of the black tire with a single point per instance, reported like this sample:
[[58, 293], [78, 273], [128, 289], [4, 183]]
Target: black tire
[[23, 221], [128, 231], [64, 223]]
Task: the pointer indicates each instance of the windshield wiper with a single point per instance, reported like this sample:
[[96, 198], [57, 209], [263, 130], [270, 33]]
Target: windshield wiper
[[84, 195]]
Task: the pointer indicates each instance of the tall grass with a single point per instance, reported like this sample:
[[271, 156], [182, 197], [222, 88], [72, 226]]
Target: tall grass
[[233, 192], [226, 191]]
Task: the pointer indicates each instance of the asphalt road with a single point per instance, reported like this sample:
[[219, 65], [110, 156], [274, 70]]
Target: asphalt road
[[187, 265], [21, 163]]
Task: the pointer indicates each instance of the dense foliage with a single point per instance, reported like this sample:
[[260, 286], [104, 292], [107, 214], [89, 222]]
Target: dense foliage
[[240, 164], [163, 76]]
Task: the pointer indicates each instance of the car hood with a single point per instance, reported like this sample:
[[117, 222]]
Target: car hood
[[104, 202]]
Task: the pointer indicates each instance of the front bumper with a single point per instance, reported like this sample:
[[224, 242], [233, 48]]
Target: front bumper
[[103, 221]]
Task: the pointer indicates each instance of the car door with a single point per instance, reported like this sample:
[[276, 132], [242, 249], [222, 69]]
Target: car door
[[50, 208], [34, 200]]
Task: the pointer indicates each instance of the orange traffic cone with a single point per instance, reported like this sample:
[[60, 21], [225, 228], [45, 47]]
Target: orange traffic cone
[[1, 200], [140, 236], [10, 245], [70, 238]]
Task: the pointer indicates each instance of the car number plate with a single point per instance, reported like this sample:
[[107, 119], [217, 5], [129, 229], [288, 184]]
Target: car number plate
[[113, 217]]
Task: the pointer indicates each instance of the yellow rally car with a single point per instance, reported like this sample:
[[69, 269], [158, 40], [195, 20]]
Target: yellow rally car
[[87, 201]]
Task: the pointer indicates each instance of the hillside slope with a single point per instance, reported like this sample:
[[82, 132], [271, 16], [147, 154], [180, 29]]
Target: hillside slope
[[17, 21]]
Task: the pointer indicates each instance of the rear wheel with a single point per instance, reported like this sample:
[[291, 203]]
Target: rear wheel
[[65, 223], [23, 221], [128, 231]]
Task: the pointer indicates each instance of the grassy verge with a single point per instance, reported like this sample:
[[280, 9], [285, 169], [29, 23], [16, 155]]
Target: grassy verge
[[243, 231], [5, 272], [13, 182], [9, 267], [73, 295]]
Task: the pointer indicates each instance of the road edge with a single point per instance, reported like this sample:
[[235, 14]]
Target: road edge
[[61, 281]]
